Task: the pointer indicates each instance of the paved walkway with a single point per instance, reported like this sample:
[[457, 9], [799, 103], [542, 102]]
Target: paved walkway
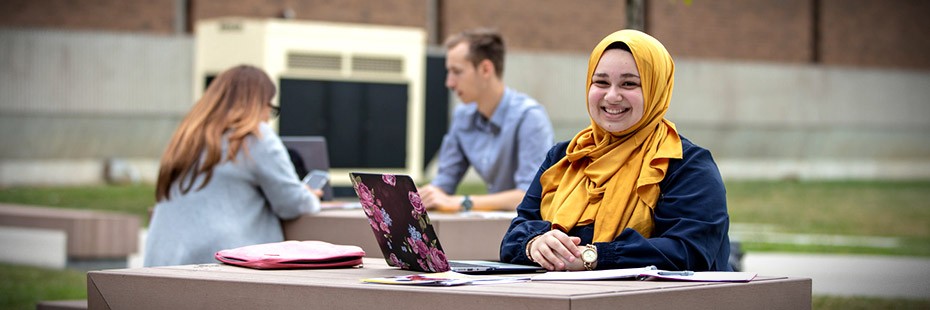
[[849, 275]]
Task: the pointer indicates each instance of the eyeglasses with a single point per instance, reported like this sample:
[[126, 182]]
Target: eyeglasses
[[275, 111]]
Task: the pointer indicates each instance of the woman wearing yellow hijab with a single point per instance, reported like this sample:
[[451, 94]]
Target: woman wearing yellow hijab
[[628, 190]]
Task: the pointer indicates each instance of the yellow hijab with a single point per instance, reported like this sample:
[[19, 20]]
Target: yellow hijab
[[612, 178]]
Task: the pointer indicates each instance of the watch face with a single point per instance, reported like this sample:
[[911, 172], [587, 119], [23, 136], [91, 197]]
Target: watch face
[[589, 255]]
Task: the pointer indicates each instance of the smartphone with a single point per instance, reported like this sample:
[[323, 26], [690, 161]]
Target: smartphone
[[316, 179]]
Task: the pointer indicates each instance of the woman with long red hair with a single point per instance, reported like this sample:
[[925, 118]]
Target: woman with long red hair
[[225, 179]]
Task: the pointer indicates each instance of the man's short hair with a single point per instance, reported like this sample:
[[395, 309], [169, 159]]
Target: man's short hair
[[483, 43]]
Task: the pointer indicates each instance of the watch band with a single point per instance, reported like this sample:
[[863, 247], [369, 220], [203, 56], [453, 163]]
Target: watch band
[[590, 265]]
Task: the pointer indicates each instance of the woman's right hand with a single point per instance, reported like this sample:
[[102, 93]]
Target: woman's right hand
[[317, 192], [555, 250]]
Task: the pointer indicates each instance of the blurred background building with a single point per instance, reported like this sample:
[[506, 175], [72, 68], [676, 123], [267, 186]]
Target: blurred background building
[[91, 90]]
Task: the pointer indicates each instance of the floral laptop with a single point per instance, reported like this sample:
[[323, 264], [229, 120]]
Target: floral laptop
[[403, 230]]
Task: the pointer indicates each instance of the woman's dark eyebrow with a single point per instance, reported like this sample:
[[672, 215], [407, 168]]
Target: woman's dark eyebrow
[[626, 75]]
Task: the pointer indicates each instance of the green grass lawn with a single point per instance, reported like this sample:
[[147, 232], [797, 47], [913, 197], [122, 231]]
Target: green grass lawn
[[130, 199], [22, 287], [852, 208], [855, 208], [849, 208]]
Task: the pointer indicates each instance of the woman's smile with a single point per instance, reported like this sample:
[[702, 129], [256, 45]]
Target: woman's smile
[[615, 110], [615, 97]]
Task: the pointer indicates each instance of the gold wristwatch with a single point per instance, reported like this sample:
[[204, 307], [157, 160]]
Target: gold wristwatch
[[589, 256]]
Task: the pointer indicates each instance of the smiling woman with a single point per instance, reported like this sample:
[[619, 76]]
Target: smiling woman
[[628, 191]]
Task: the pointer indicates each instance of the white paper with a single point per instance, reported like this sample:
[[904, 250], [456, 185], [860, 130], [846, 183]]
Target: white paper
[[592, 274], [490, 214], [705, 276], [645, 273], [339, 205]]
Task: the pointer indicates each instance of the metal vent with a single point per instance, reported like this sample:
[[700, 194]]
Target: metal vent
[[377, 64], [314, 61], [231, 26]]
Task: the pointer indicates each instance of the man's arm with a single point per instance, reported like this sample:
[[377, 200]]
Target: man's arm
[[436, 198], [500, 201]]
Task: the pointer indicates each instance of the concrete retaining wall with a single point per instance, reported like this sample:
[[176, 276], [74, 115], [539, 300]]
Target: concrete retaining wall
[[71, 101]]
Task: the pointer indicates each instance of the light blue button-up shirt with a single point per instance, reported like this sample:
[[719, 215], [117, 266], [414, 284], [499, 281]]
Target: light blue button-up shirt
[[505, 150]]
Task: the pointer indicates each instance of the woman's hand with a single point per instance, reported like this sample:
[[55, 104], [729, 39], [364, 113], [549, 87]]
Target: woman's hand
[[555, 250], [317, 192]]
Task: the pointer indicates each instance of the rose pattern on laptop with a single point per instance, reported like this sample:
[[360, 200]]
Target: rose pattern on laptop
[[389, 179], [429, 256], [378, 218]]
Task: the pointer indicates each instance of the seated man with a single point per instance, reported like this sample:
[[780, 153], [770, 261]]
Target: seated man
[[502, 133]]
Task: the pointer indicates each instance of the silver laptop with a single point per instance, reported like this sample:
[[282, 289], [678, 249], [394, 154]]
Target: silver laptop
[[309, 153], [404, 232]]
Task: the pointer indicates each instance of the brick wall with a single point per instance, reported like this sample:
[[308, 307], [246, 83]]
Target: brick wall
[[149, 16], [892, 33], [859, 33], [381, 12], [548, 25], [757, 30]]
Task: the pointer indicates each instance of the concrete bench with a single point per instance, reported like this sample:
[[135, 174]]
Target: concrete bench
[[62, 305], [35, 247], [91, 234]]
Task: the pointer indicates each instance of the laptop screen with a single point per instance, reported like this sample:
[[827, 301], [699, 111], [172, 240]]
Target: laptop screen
[[309, 153]]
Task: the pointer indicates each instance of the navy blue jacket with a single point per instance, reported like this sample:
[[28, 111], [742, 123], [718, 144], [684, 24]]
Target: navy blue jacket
[[691, 220]]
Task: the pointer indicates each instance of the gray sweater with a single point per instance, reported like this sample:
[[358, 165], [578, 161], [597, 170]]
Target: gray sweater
[[243, 204]]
